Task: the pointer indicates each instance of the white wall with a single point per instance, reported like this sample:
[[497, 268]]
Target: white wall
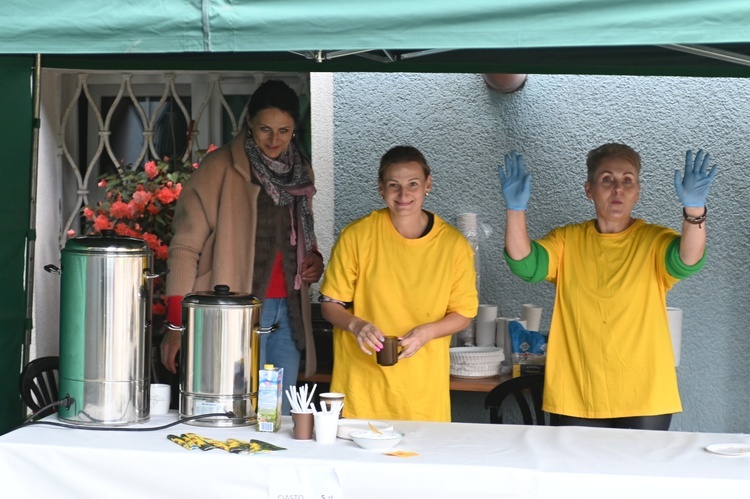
[[321, 109]]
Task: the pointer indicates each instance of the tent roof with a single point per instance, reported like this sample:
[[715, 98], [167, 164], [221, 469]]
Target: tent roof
[[586, 36]]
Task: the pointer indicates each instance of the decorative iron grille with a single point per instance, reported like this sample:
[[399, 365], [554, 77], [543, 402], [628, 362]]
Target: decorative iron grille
[[87, 126]]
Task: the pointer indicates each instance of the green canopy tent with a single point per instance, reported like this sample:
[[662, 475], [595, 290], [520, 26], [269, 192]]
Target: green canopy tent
[[638, 37]]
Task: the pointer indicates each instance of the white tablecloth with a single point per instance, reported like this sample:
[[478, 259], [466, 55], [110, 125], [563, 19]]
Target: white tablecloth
[[457, 460]]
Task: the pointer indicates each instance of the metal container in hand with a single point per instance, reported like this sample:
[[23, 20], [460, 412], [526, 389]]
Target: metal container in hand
[[105, 329], [219, 356]]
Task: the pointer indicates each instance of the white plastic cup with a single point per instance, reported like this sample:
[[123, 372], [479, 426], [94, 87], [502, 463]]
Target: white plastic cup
[[326, 427], [161, 396], [532, 314]]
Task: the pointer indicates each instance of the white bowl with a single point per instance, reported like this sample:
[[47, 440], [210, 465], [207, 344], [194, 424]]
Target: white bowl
[[368, 439], [346, 426]]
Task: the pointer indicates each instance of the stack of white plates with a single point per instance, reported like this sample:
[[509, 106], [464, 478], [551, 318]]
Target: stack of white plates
[[476, 362]]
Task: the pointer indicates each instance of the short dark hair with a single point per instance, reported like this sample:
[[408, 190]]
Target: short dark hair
[[402, 154], [274, 94], [611, 150]]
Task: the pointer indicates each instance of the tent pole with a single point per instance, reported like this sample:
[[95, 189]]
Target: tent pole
[[31, 237], [712, 53]]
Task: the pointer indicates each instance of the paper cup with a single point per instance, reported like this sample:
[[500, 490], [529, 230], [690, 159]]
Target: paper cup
[[532, 314], [326, 426], [330, 397], [303, 425], [160, 397], [486, 321]]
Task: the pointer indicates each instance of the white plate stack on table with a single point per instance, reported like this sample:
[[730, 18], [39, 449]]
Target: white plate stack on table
[[467, 224], [476, 362]]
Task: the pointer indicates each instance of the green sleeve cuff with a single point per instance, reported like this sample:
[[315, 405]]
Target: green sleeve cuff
[[534, 267], [676, 267]]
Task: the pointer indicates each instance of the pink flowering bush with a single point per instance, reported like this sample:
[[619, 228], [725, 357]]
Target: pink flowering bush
[[140, 203]]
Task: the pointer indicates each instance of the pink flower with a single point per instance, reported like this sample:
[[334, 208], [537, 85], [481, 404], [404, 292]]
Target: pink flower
[[102, 223], [195, 166], [154, 209], [71, 233], [102, 183], [88, 213], [177, 190], [151, 170], [153, 241], [135, 209], [211, 148], [165, 195], [118, 209], [161, 252], [123, 230], [142, 198]]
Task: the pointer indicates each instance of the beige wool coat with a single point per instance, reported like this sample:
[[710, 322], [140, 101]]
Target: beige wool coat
[[214, 232]]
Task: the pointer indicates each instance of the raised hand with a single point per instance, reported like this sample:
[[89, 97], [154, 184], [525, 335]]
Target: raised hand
[[516, 183], [693, 188]]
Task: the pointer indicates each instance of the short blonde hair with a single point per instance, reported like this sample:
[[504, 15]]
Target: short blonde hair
[[611, 150]]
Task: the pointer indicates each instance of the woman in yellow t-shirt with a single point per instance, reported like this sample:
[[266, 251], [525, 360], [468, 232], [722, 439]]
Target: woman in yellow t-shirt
[[609, 358], [400, 271]]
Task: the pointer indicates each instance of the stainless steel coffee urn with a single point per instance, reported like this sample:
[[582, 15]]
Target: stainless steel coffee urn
[[219, 356], [105, 329]]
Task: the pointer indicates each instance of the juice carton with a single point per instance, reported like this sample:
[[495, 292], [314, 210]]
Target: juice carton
[[270, 391]]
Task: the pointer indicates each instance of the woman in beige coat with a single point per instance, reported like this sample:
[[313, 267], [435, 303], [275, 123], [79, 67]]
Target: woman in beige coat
[[244, 219]]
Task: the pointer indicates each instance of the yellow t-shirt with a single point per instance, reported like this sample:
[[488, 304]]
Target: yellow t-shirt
[[398, 284], [610, 353]]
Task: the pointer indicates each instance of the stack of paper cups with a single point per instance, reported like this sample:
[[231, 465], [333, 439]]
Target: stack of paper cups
[[532, 314], [467, 224], [675, 331], [486, 329], [502, 339]]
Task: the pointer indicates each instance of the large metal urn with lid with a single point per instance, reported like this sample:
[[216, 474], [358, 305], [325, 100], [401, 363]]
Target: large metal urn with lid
[[105, 329], [219, 356]]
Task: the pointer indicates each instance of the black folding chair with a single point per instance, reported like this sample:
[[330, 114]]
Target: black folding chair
[[521, 389]]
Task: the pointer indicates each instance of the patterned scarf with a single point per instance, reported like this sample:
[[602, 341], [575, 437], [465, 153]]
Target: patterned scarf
[[287, 181]]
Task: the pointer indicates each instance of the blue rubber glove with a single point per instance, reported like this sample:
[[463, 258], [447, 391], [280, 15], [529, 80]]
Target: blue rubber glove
[[516, 184], [694, 186]]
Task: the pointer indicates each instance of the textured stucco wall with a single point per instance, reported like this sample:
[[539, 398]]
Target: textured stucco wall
[[463, 128]]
